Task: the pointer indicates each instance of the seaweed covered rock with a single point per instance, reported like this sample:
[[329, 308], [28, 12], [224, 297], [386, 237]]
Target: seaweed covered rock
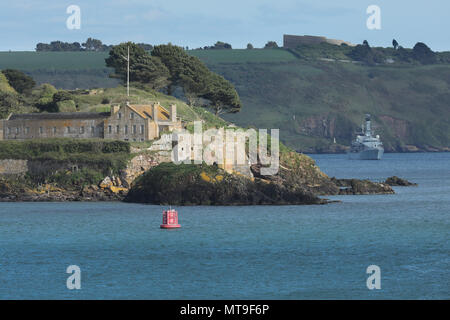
[[395, 181], [356, 186], [188, 184]]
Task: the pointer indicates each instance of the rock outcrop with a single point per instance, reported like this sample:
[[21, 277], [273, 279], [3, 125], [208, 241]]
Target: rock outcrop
[[356, 186], [395, 181], [170, 184], [18, 190]]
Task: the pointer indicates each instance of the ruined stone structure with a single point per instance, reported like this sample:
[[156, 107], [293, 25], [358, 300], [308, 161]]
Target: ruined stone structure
[[292, 42], [127, 122]]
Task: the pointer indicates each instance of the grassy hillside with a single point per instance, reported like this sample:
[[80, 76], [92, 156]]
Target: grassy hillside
[[65, 70], [30, 61], [311, 100], [100, 100], [243, 56]]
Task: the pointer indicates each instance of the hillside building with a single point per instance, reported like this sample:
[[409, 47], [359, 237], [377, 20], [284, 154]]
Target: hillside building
[[127, 122]]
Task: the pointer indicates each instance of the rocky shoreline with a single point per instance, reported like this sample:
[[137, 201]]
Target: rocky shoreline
[[203, 185], [49, 193]]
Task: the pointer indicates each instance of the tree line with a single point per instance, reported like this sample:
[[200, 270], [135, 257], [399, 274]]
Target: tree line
[[91, 44], [420, 53]]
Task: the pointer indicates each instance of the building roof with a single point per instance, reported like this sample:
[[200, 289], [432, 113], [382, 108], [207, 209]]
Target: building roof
[[59, 115], [146, 112]]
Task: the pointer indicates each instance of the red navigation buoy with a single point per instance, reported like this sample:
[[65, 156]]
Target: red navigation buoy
[[170, 219]]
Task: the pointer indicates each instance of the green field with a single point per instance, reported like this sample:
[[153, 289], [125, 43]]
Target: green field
[[66, 70], [64, 61], [243, 55], [30, 61]]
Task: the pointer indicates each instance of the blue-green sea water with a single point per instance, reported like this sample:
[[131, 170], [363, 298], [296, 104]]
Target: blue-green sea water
[[255, 252]]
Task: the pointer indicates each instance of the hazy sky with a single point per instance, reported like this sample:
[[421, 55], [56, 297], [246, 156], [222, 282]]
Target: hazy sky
[[195, 23]]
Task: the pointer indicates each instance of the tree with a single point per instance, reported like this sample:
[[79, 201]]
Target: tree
[[249, 46], [143, 67], [62, 96], [222, 95], [93, 45], [44, 96], [61, 46], [145, 46], [221, 45], [362, 53], [151, 71], [194, 79], [63, 102], [21, 82], [42, 47], [271, 45], [174, 58], [395, 44], [422, 53], [9, 102]]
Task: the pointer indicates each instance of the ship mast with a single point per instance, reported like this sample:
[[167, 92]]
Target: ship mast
[[368, 131]]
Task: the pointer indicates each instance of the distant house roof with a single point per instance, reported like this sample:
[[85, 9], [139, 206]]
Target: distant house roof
[[145, 111], [60, 115]]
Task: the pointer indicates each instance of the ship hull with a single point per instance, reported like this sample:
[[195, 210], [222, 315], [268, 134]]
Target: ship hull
[[368, 154]]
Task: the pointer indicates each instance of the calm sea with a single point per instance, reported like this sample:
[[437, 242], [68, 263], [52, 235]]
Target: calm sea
[[257, 252]]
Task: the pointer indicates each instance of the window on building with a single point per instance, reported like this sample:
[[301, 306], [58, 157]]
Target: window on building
[[93, 130], [126, 129], [134, 129], [27, 130], [142, 139], [54, 130], [82, 129], [117, 129], [132, 115], [68, 129], [119, 115], [9, 130], [109, 129], [41, 130], [17, 130], [142, 129]]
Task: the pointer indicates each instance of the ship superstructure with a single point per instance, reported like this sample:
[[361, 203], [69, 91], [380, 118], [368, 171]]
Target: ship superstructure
[[366, 146]]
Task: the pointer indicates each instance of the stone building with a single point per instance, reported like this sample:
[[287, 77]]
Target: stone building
[[127, 122]]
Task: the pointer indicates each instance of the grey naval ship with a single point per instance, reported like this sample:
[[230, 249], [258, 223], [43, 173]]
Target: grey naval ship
[[366, 146]]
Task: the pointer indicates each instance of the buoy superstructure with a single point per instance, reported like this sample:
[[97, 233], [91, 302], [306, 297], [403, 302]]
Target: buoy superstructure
[[170, 219]]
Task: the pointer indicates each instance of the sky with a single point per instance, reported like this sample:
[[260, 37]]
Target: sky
[[197, 23]]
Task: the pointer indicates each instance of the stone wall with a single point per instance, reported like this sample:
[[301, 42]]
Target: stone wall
[[13, 167]]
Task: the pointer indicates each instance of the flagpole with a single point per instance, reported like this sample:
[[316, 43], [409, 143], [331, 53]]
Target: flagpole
[[128, 72]]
